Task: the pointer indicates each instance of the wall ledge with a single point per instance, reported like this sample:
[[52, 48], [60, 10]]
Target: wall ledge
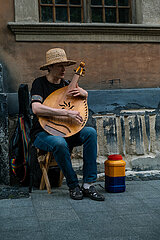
[[33, 31]]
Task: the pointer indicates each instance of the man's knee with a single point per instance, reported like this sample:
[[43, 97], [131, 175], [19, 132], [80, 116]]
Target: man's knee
[[92, 132], [61, 144]]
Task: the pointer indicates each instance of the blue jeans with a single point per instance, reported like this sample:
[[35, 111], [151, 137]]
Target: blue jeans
[[62, 147]]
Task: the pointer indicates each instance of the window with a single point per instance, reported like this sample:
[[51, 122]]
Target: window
[[81, 11], [111, 11], [61, 10]]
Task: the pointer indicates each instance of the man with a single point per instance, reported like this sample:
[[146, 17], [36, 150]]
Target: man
[[56, 61]]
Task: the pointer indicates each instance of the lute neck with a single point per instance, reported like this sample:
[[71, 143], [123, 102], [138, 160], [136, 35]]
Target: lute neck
[[74, 81], [78, 72]]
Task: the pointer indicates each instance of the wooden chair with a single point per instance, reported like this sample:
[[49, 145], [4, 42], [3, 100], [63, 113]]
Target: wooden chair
[[46, 160]]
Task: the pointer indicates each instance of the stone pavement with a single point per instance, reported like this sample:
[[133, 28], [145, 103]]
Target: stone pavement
[[132, 215]]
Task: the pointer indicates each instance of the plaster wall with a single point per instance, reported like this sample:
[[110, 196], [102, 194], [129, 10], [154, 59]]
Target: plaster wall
[[26, 11], [108, 65], [150, 11]]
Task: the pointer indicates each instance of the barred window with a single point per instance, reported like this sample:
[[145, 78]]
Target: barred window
[[81, 11], [111, 11], [61, 11]]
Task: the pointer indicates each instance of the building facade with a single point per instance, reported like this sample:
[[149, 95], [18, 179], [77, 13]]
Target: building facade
[[119, 41]]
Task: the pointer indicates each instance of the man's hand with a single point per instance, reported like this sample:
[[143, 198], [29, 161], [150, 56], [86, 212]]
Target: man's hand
[[77, 92], [75, 116], [42, 110]]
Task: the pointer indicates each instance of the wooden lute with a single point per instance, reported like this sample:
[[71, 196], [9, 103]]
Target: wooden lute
[[59, 99]]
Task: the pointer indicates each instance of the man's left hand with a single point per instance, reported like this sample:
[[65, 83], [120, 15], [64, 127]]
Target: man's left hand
[[78, 92]]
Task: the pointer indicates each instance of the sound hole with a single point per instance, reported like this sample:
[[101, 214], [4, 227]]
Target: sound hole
[[66, 105]]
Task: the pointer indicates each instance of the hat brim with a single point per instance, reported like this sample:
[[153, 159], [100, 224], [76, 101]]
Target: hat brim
[[65, 63]]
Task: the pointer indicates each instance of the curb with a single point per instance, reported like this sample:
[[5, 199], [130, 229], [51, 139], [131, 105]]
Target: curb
[[136, 175]]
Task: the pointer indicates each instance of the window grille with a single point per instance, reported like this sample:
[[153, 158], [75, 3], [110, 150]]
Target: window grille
[[95, 11], [61, 11]]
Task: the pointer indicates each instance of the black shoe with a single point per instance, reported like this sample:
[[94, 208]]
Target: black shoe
[[92, 193], [76, 193]]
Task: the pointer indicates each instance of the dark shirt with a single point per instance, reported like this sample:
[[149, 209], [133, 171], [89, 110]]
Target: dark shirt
[[41, 89]]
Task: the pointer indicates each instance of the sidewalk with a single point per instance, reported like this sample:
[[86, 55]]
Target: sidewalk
[[132, 215]]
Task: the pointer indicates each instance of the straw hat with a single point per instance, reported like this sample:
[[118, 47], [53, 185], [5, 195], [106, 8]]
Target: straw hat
[[56, 55]]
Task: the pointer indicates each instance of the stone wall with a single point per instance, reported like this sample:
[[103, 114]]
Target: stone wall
[[133, 134], [4, 142], [4, 149], [127, 123]]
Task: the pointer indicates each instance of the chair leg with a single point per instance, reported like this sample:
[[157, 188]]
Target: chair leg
[[61, 176], [45, 162], [46, 180], [42, 184]]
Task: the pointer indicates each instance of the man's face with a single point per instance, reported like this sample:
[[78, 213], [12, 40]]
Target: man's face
[[57, 70]]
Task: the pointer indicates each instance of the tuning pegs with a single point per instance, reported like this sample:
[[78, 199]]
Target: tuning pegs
[[82, 64], [83, 72], [80, 70]]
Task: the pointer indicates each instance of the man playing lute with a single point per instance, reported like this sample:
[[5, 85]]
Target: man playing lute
[[60, 145]]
